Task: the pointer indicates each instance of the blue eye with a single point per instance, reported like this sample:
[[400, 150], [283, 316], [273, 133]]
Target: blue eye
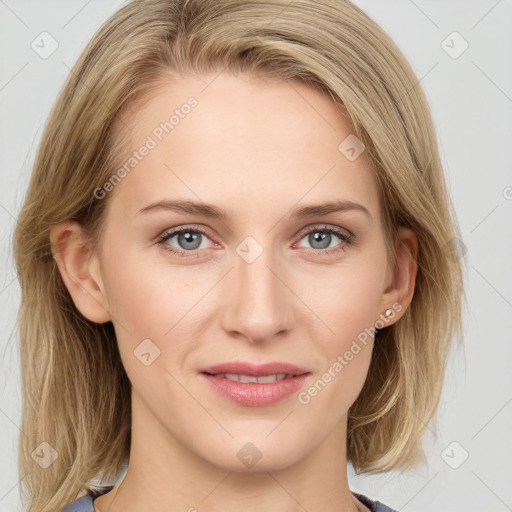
[[190, 240], [320, 239]]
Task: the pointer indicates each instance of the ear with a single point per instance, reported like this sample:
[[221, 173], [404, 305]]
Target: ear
[[79, 267], [401, 279]]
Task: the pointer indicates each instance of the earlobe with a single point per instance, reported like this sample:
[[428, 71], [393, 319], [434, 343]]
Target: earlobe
[[403, 276], [79, 268]]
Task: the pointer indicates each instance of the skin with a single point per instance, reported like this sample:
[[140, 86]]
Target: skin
[[257, 148]]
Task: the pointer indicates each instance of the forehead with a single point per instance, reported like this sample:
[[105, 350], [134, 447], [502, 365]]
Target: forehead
[[242, 142]]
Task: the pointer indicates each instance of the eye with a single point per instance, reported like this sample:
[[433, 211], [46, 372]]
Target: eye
[[188, 241], [321, 239]]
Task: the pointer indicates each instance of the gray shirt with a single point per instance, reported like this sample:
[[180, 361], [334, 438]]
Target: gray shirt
[[84, 504]]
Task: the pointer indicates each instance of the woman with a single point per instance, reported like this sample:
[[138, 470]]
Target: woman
[[235, 261]]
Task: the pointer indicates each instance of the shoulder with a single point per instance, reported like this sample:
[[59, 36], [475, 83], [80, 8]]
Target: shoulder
[[84, 504], [374, 506]]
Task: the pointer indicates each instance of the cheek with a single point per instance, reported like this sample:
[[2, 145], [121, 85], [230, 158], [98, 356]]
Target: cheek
[[345, 298], [346, 301], [347, 309], [153, 299]]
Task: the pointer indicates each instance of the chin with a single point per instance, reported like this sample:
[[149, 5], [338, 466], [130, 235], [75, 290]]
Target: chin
[[260, 454]]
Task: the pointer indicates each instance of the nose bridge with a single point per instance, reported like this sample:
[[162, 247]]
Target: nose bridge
[[259, 304]]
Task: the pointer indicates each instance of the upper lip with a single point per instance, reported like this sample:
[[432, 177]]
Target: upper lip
[[255, 370]]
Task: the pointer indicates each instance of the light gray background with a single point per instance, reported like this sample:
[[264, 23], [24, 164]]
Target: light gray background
[[471, 100]]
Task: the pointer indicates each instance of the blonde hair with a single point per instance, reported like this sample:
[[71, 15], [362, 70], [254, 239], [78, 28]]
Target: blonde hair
[[76, 395]]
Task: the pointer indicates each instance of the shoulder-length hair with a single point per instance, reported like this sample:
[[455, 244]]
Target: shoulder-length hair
[[76, 394]]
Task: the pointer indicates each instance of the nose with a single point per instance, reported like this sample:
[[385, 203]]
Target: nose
[[258, 303]]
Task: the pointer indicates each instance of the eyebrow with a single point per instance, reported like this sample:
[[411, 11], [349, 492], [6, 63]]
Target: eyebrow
[[212, 211]]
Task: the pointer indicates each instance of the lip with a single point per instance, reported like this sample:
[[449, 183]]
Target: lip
[[255, 370], [255, 394]]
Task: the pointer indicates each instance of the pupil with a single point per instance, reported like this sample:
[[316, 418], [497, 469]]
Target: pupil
[[323, 238], [190, 238]]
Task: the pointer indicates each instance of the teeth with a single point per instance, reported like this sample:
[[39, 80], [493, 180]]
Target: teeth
[[251, 379]]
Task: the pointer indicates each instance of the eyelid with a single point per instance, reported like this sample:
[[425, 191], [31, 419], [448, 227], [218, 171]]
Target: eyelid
[[171, 232], [324, 226]]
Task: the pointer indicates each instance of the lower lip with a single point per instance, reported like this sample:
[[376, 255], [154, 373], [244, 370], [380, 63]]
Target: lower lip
[[254, 394]]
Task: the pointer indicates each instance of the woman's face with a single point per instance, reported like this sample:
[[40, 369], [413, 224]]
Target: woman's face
[[262, 284]]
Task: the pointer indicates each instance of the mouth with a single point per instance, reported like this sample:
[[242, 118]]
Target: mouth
[[248, 379], [255, 385]]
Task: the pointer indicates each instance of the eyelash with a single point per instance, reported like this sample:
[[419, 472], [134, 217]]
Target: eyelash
[[345, 238]]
